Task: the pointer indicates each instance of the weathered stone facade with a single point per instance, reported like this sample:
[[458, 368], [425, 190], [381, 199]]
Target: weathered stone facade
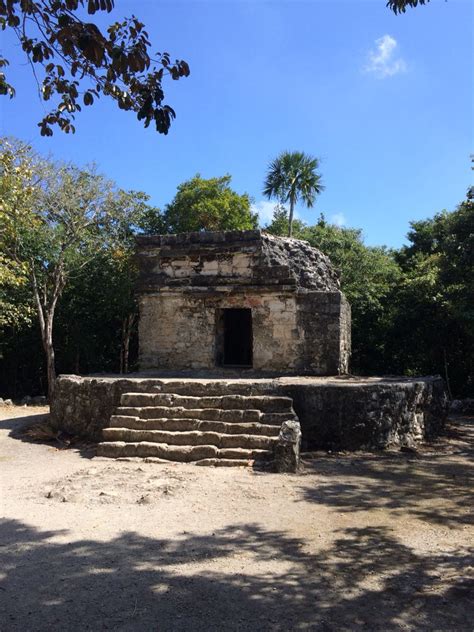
[[336, 413], [240, 298], [236, 330]]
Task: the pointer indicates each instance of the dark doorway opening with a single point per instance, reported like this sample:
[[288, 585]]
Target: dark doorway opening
[[236, 337]]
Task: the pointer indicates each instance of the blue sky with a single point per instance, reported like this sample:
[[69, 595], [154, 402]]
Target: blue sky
[[385, 101]]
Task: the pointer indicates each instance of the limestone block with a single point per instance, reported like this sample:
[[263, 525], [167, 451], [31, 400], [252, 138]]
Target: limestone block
[[225, 268], [241, 264], [210, 268], [287, 448]]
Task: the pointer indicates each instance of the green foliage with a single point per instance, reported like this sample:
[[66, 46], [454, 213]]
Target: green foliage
[[54, 236], [151, 222], [77, 58], [368, 276], [16, 309], [98, 315], [279, 223], [292, 176], [366, 272], [97, 312], [435, 315], [15, 198], [67, 235], [208, 204]]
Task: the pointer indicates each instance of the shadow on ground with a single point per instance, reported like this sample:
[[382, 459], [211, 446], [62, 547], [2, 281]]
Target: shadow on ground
[[366, 580], [436, 485], [15, 423], [20, 426]]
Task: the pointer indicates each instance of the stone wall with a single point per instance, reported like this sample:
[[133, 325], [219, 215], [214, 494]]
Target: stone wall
[[371, 414], [300, 319], [324, 329], [292, 333], [345, 337], [247, 257], [175, 332], [179, 330], [337, 413]]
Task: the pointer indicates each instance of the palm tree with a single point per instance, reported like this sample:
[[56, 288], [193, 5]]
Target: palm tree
[[291, 177]]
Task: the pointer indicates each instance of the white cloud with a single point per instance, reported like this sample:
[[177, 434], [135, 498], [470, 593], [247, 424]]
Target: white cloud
[[383, 60], [339, 219], [264, 210]]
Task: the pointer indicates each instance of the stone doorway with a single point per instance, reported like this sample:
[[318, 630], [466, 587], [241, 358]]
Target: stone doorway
[[235, 338]]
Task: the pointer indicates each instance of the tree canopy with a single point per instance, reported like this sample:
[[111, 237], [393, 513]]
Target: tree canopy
[[56, 220], [67, 257], [292, 176], [368, 275], [208, 204], [436, 315], [78, 61]]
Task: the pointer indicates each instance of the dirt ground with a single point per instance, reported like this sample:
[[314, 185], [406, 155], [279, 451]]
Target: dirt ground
[[355, 542]]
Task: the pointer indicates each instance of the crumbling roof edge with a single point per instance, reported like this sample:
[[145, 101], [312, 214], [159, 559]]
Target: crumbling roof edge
[[199, 237]]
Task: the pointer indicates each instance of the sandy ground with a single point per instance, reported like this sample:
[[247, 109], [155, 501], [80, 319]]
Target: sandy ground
[[354, 542]]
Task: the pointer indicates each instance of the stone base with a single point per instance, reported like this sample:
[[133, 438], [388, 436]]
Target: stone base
[[338, 413]]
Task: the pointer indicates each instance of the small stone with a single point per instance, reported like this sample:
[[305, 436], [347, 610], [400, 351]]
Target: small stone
[[287, 449], [109, 494], [146, 499]]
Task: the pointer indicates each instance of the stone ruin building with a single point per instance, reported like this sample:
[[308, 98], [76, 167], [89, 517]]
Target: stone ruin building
[[242, 300], [244, 347]]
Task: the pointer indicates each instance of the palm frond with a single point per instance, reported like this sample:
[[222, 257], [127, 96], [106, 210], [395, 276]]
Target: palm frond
[[293, 175]]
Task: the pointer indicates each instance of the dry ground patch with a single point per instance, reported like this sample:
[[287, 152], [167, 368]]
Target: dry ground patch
[[356, 541]]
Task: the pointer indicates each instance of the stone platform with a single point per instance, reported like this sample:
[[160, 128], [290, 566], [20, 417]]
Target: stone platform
[[338, 413]]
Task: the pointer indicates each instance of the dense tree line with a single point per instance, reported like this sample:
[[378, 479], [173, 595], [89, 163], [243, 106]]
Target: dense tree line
[[67, 274], [412, 308]]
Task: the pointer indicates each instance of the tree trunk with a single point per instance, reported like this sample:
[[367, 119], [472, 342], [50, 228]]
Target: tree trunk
[[77, 362], [127, 327], [448, 385], [290, 218], [121, 369], [46, 326], [46, 317], [126, 348], [50, 364]]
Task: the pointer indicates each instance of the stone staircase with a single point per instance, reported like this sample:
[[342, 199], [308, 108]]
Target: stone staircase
[[230, 430]]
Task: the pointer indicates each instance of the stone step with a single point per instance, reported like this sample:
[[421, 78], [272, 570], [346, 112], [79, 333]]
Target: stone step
[[207, 414], [186, 424], [226, 462], [263, 403], [190, 438], [183, 454], [200, 388]]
